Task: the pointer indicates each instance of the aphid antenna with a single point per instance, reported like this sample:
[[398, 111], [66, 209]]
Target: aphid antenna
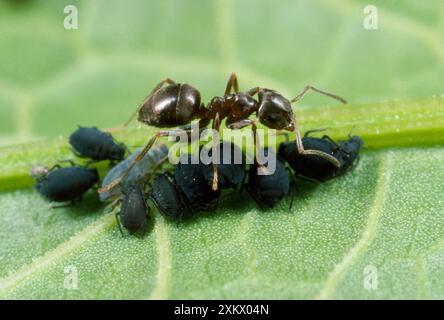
[[309, 132]]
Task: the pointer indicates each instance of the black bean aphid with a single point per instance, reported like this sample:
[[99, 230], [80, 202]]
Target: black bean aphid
[[138, 174], [316, 168], [66, 184], [167, 198], [96, 145], [134, 211], [311, 166], [267, 190], [230, 169], [350, 153], [190, 179]]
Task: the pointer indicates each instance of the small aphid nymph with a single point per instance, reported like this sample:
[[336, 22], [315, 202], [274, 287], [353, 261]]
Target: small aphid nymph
[[134, 212]]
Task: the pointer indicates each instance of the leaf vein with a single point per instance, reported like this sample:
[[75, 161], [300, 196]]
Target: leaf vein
[[368, 233]]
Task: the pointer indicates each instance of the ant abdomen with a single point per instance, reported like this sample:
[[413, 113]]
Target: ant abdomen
[[171, 106]]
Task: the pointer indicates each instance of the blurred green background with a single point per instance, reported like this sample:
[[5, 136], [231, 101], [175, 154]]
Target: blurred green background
[[52, 79]]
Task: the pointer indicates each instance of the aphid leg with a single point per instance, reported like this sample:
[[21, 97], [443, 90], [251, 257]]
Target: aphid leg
[[139, 158], [356, 162], [63, 205], [232, 83], [325, 137], [351, 130], [283, 133], [256, 199], [301, 177], [56, 166], [241, 189], [302, 151], [292, 186], [92, 161], [118, 223], [77, 154], [325, 93], [309, 132], [72, 163], [157, 87]]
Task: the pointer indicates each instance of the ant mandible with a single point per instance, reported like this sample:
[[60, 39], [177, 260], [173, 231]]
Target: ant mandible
[[177, 104]]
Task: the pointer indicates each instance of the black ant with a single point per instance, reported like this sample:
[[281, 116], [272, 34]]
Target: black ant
[[177, 104]]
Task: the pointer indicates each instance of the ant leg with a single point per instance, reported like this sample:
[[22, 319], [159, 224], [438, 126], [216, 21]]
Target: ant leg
[[139, 157], [202, 124], [308, 88], [216, 126], [244, 123], [232, 83], [301, 177], [110, 207], [131, 118], [318, 153], [253, 91]]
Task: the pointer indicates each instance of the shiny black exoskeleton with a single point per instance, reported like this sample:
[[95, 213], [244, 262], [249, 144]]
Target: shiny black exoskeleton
[[96, 145], [134, 211], [311, 166], [267, 190], [191, 181], [350, 153], [66, 184], [167, 197], [316, 168], [230, 167], [172, 104]]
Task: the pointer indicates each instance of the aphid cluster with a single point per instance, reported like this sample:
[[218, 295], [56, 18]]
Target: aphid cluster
[[194, 186]]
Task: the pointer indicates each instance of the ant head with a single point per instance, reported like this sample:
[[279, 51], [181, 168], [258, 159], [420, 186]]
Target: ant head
[[357, 142], [275, 111]]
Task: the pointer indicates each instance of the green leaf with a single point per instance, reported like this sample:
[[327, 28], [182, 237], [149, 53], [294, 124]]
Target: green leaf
[[384, 217]]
